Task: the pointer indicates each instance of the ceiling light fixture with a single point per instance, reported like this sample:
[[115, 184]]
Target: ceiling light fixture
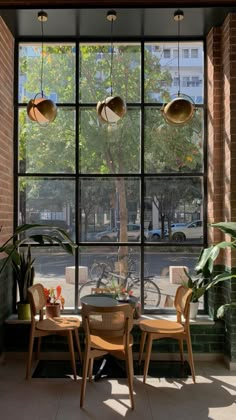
[[180, 110], [40, 109], [113, 108]]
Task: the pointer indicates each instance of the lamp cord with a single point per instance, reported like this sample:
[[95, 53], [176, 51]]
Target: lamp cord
[[41, 76], [112, 51], [178, 55]]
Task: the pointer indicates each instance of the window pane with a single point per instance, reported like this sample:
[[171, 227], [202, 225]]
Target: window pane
[[109, 208], [167, 268], [161, 70], [172, 149], [95, 72], [58, 75], [107, 149], [51, 201], [50, 150], [175, 209]]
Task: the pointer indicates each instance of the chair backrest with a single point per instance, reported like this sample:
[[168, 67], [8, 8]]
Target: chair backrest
[[112, 321], [182, 301], [37, 298], [96, 290]]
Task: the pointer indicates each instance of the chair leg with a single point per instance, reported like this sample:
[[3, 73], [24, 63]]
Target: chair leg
[[38, 348], [190, 354], [29, 357], [72, 353], [142, 342], [78, 343], [130, 375], [181, 350], [90, 369], [147, 357], [84, 375]]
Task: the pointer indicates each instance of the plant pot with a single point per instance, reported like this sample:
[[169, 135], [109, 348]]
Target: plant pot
[[23, 310], [53, 311], [193, 310]]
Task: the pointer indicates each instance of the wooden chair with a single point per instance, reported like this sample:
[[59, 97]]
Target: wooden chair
[[43, 327], [107, 330], [179, 330], [98, 290]]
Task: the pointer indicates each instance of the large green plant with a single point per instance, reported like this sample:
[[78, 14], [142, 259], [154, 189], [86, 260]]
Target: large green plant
[[205, 277], [22, 263]]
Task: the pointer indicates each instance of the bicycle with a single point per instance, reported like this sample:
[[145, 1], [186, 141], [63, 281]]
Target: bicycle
[[152, 293], [98, 267]]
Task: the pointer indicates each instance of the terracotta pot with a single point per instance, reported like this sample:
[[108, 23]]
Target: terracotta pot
[[53, 310]]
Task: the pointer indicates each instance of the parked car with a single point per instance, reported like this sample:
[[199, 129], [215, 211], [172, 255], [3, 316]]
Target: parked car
[[155, 234], [193, 230], [134, 233]]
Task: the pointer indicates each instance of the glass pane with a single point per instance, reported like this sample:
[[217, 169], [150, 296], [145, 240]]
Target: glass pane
[[174, 209], [50, 150], [50, 270], [110, 209], [109, 267], [109, 149], [47, 201], [167, 265], [58, 71], [96, 77], [173, 149], [161, 71]]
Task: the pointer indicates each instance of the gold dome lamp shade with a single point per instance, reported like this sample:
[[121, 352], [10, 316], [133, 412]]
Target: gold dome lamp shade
[[180, 110], [41, 109], [113, 108]]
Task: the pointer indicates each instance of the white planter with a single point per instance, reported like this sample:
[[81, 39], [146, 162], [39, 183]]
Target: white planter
[[193, 310]]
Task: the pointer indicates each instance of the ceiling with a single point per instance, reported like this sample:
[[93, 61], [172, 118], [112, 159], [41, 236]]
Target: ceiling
[[133, 22]]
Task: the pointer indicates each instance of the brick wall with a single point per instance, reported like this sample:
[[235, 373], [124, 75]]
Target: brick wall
[[221, 88], [6, 161]]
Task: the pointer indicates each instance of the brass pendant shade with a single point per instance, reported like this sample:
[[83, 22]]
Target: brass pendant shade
[[113, 108], [41, 109], [180, 110]]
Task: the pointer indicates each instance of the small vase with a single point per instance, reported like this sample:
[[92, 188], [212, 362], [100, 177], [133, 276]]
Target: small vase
[[53, 311], [193, 310]]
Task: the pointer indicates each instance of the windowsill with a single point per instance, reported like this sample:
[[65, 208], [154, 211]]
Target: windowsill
[[200, 320]]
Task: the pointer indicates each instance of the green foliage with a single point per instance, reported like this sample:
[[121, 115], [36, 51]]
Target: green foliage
[[24, 273], [22, 263], [205, 276]]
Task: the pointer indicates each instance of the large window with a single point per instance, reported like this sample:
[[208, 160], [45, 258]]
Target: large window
[[130, 195]]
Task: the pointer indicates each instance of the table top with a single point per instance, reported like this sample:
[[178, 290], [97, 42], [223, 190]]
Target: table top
[[102, 299]]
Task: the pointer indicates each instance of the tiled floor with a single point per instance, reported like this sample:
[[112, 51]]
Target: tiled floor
[[212, 397]]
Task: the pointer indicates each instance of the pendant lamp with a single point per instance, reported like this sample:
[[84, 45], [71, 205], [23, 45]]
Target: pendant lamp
[[40, 109], [113, 108], [180, 110]]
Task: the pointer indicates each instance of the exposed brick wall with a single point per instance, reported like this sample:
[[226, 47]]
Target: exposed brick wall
[[6, 162], [221, 66], [6, 130]]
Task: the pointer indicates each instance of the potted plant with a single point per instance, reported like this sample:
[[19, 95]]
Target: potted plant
[[22, 263], [55, 301], [205, 277]]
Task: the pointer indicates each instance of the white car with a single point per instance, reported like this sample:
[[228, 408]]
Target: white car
[[112, 234], [193, 230]]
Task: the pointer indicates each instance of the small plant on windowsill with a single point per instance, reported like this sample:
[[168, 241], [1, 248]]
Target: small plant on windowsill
[[55, 301]]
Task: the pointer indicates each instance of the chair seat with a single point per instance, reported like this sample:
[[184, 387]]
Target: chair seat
[[58, 324], [161, 326], [109, 343]]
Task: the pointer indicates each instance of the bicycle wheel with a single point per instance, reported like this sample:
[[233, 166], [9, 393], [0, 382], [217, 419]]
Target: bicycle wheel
[[152, 294], [86, 288], [98, 269]]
